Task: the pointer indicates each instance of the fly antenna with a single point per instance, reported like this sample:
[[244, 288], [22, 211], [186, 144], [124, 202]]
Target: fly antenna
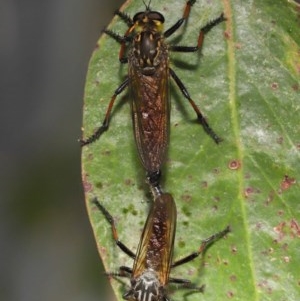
[[147, 6]]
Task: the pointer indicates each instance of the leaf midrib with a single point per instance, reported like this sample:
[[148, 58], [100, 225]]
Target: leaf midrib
[[236, 129]]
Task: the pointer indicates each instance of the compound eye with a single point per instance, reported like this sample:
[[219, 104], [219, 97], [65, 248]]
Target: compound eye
[[151, 15], [138, 17], [154, 15]]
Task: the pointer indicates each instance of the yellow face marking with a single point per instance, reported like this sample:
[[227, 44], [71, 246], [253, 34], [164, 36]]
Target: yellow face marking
[[140, 25]]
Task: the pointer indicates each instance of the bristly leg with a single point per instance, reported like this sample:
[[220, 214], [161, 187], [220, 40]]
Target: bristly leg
[[200, 116], [111, 221], [204, 245], [105, 123]]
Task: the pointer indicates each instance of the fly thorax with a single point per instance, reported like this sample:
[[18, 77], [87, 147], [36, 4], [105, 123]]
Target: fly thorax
[[147, 47], [146, 287]]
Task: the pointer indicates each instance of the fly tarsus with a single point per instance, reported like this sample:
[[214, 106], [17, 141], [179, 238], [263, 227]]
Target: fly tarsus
[[204, 245], [120, 39], [95, 136], [200, 116], [125, 17], [204, 30], [105, 123], [208, 129], [185, 283], [123, 272], [213, 23], [208, 241], [185, 16]]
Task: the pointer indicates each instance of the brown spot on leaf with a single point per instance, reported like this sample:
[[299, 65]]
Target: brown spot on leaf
[[270, 198], [233, 278], [106, 152], [234, 249], [227, 35], [234, 164], [287, 182], [280, 212], [248, 191], [238, 46], [280, 230], [279, 140], [290, 228], [186, 197], [216, 170], [215, 208], [128, 182], [264, 285], [295, 87], [204, 184], [286, 259], [230, 294], [87, 186], [295, 229], [274, 86]]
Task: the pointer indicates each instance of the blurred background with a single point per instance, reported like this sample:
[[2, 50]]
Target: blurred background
[[47, 249]]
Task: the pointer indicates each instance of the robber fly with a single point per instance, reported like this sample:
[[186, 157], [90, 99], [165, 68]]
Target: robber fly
[[149, 276], [148, 80]]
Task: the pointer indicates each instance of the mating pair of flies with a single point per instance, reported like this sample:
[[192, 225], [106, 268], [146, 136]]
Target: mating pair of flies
[[144, 49]]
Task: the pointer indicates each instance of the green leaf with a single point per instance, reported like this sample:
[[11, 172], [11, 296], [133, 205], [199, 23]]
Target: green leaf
[[247, 85]]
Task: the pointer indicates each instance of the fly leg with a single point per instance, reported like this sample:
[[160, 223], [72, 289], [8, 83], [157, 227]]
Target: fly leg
[[105, 123], [203, 31], [125, 17], [123, 40], [200, 116], [123, 272], [179, 83], [184, 283], [123, 59], [186, 14], [110, 219], [204, 245]]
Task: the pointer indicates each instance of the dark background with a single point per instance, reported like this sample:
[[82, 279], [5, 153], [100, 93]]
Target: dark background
[[47, 249]]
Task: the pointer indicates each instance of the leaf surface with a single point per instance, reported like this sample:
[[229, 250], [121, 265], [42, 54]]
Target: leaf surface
[[246, 82]]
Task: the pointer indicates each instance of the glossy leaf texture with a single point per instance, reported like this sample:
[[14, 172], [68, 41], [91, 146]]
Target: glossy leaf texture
[[247, 84]]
